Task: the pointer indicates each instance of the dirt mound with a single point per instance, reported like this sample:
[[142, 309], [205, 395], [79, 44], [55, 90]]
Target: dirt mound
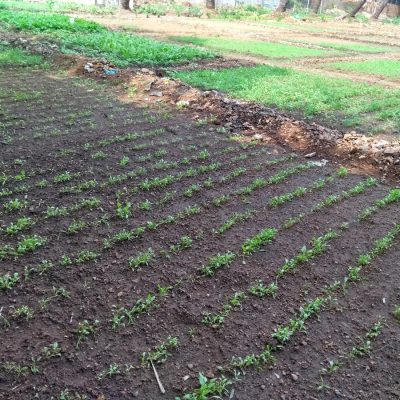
[[266, 124]]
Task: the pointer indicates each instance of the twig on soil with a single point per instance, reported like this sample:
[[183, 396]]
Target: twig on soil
[[160, 385]]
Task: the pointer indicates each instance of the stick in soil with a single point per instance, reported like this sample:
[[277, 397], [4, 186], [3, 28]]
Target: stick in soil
[[160, 385]]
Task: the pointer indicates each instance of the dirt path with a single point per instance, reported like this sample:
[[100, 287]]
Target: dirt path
[[129, 205], [170, 25]]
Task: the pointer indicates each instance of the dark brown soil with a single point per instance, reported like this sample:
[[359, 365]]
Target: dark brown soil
[[52, 123]]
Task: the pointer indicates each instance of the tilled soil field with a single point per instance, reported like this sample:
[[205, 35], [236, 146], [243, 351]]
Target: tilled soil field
[[136, 240]]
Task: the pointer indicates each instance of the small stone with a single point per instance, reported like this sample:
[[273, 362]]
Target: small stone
[[209, 374], [186, 377], [310, 155], [156, 93], [295, 377], [190, 366], [392, 151]]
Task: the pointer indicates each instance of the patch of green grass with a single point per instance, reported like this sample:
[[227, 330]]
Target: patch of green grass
[[56, 6], [16, 57], [123, 49], [312, 94], [243, 12], [41, 22], [358, 47], [387, 68], [394, 21], [77, 35], [256, 47]]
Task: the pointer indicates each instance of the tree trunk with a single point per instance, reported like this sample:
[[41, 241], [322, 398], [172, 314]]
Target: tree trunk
[[210, 4], [379, 10], [125, 4], [356, 9], [282, 6], [315, 5]]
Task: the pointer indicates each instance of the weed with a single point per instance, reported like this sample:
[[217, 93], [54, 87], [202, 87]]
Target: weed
[[75, 227], [21, 224], [163, 290], [57, 293], [392, 197], [141, 260], [256, 242], [364, 348], [279, 200], [209, 388], [319, 245], [113, 370], [25, 312], [220, 200], [53, 212], [233, 220], [29, 244], [184, 242], [253, 360], [99, 155], [44, 267], [54, 350], [195, 187], [86, 256], [123, 210], [123, 315], [14, 205], [217, 320], [64, 177], [283, 333], [332, 367], [15, 368], [217, 262], [260, 290], [145, 205], [85, 329], [160, 354], [124, 161]]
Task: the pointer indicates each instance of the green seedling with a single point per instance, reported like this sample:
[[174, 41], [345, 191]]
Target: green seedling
[[160, 354], [217, 262], [256, 242], [85, 329], [21, 224], [24, 312], [260, 290], [141, 260]]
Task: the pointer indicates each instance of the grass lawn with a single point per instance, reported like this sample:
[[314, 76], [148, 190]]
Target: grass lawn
[[314, 95], [387, 68], [357, 47], [54, 6], [256, 47], [17, 57], [77, 35]]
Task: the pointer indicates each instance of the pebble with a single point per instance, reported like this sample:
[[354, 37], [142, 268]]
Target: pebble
[[310, 155]]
